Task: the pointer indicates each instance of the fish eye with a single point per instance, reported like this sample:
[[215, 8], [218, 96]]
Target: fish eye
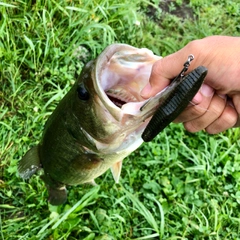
[[82, 92]]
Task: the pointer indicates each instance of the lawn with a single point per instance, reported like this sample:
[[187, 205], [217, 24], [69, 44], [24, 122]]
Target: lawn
[[178, 186]]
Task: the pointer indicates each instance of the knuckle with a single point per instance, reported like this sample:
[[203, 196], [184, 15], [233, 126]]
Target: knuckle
[[229, 117], [227, 120], [156, 68], [214, 129], [190, 113], [195, 45], [198, 110], [216, 110], [192, 127]]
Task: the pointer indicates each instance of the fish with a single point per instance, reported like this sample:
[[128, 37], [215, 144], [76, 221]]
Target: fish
[[98, 122]]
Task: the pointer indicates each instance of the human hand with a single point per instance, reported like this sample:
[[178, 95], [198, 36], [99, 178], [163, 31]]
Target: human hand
[[216, 107]]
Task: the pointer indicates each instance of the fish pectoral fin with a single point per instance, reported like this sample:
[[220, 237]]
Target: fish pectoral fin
[[116, 171], [29, 164]]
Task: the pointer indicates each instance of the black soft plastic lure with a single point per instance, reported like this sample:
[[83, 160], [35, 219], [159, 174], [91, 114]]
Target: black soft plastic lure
[[182, 90]]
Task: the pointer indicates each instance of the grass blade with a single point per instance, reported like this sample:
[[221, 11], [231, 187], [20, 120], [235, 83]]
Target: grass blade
[[80, 205]]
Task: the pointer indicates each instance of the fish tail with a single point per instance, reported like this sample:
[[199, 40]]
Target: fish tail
[[57, 192], [57, 196], [29, 164]]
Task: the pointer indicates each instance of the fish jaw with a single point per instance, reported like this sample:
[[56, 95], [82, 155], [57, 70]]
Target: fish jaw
[[114, 81], [117, 77], [121, 72]]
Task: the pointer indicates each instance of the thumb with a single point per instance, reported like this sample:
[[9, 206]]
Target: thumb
[[163, 71]]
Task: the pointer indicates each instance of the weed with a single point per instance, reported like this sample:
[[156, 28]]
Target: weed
[[179, 186]]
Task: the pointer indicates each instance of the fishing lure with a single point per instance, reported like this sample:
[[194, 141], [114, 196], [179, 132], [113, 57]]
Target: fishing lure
[[183, 89]]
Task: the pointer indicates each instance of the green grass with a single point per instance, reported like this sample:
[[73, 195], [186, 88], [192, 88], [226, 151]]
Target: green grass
[[179, 186]]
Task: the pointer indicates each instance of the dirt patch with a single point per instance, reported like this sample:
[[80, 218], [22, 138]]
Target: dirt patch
[[182, 11]]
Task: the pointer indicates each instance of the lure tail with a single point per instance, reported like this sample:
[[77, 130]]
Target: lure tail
[[176, 101]]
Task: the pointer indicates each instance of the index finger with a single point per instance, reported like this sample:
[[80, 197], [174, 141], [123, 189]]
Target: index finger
[[163, 71]]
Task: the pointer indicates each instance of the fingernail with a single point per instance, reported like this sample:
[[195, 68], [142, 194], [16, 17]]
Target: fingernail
[[146, 91], [197, 98], [206, 90]]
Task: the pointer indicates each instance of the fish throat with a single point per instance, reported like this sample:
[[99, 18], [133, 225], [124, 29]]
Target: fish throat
[[120, 96], [118, 102]]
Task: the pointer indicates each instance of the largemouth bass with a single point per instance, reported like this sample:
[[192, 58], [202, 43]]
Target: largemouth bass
[[97, 124]]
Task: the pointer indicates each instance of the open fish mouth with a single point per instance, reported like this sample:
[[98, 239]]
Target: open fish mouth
[[120, 96], [124, 72]]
